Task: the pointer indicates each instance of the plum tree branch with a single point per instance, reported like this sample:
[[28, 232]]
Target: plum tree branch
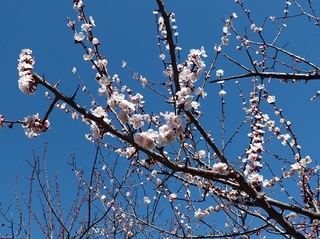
[[109, 128], [273, 75], [172, 46]]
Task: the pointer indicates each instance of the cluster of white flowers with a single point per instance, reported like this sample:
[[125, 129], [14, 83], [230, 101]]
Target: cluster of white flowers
[[26, 82], [78, 5], [226, 33], [298, 167], [206, 212], [270, 183], [33, 126], [170, 130], [126, 107], [252, 161], [196, 180], [163, 31], [189, 73], [201, 213], [255, 28], [167, 133], [285, 138], [220, 168], [162, 27], [146, 139]]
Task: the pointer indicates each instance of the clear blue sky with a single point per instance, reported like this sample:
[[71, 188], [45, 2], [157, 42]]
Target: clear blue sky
[[127, 31]]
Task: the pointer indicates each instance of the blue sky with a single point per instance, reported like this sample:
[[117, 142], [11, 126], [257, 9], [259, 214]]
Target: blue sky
[[127, 31]]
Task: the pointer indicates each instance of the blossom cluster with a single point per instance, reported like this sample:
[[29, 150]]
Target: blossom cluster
[[298, 168], [163, 30], [253, 158], [211, 209], [26, 82], [190, 72], [226, 33], [33, 125], [167, 133]]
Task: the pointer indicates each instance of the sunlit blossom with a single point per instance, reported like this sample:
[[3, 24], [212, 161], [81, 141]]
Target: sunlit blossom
[[219, 73], [271, 99], [26, 82], [136, 120], [222, 92], [220, 168], [79, 36], [34, 126], [146, 200], [146, 139], [172, 197]]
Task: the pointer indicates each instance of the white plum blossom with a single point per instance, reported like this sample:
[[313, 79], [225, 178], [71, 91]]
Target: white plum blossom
[[267, 184], [255, 177], [101, 64], [104, 81], [222, 93], [291, 215], [172, 197], [103, 197], [88, 56], [100, 112], [195, 57], [154, 173], [201, 154], [199, 91], [86, 27], [92, 21], [200, 213], [126, 106], [95, 41], [79, 36], [136, 120], [284, 138], [95, 130], [271, 99], [255, 28], [146, 200], [219, 73], [217, 48], [162, 56], [115, 99], [78, 5]]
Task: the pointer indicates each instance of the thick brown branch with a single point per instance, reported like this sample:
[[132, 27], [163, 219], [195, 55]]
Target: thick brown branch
[[284, 206]]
